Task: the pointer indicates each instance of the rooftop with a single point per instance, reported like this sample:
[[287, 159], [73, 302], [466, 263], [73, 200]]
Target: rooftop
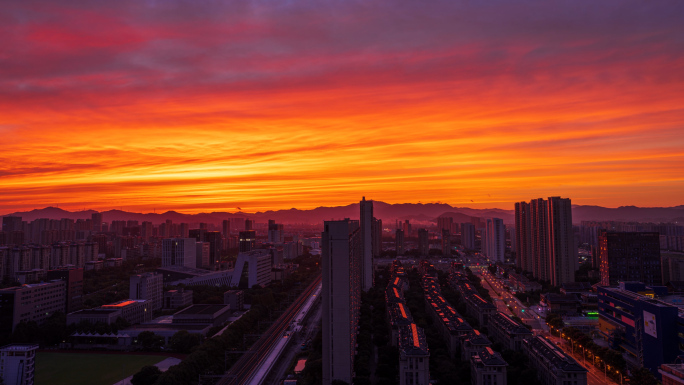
[[19, 347], [412, 340], [201, 309], [490, 358], [554, 355]]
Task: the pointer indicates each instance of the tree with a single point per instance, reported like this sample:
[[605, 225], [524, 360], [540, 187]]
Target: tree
[[150, 341], [643, 376], [183, 341], [148, 375]]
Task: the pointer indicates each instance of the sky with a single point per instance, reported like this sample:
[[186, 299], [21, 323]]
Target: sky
[[201, 106]]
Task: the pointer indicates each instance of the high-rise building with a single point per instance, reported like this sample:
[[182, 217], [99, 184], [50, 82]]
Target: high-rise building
[[423, 242], [146, 230], [184, 230], [399, 242], [249, 224], [247, 241], [97, 220], [376, 235], [149, 286], [562, 247], [203, 254], [539, 227], [446, 242], [494, 244], [407, 228], [445, 223], [468, 236], [341, 255], [276, 232], [366, 223], [630, 256], [18, 364], [545, 242], [74, 287], [179, 252], [225, 227]]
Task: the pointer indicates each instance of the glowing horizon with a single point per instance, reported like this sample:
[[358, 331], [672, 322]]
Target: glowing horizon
[[199, 106]]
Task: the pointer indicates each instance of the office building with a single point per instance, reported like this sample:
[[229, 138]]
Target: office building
[[276, 232], [215, 240], [341, 258], [553, 366], [249, 225], [149, 286], [247, 241], [74, 287], [179, 252], [423, 242], [33, 302], [414, 356], [646, 322], [488, 368], [468, 236], [235, 299], [399, 242], [366, 224], [630, 256], [18, 364], [494, 243]]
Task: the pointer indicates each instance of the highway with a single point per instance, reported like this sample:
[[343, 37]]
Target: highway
[[241, 372]]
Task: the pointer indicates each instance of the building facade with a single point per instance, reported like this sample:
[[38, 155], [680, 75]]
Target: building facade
[[630, 256], [149, 286], [17, 364]]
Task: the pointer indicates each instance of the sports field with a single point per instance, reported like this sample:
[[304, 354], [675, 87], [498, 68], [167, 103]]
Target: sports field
[[88, 369]]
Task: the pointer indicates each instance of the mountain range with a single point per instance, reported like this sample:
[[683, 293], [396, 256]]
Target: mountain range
[[415, 212]]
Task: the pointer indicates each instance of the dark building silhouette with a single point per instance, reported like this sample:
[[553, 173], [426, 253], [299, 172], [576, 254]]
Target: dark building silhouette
[[630, 257]]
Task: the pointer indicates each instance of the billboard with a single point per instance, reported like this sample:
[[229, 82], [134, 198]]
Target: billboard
[[650, 324]]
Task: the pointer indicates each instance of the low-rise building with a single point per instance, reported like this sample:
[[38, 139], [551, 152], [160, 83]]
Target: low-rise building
[[174, 299], [480, 309], [672, 374], [488, 368], [234, 298], [472, 344], [449, 322], [213, 315], [553, 366], [132, 310], [564, 304], [18, 363], [414, 356], [507, 331]]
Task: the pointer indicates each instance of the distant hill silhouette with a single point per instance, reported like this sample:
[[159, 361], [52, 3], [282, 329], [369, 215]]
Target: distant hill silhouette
[[415, 212]]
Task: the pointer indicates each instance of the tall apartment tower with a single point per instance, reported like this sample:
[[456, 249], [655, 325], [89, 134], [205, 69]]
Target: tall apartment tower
[[539, 222], [630, 256], [376, 236], [545, 243], [366, 223], [399, 242], [562, 247], [342, 256], [249, 224], [179, 252], [468, 236], [226, 228], [423, 242], [149, 286], [495, 240], [523, 237], [446, 242], [97, 221]]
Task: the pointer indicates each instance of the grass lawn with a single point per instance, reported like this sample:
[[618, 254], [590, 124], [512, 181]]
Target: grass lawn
[[88, 369]]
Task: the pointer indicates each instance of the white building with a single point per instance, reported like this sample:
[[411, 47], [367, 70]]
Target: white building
[[17, 364], [179, 252], [149, 286]]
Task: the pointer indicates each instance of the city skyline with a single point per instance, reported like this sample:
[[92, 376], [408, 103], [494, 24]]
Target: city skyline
[[209, 106]]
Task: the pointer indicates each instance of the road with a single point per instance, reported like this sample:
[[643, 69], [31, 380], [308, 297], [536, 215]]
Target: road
[[241, 371]]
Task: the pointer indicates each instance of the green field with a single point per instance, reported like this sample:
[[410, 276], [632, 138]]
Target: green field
[[88, 369]]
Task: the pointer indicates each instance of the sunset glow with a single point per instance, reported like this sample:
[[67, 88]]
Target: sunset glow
[[210, 106]]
